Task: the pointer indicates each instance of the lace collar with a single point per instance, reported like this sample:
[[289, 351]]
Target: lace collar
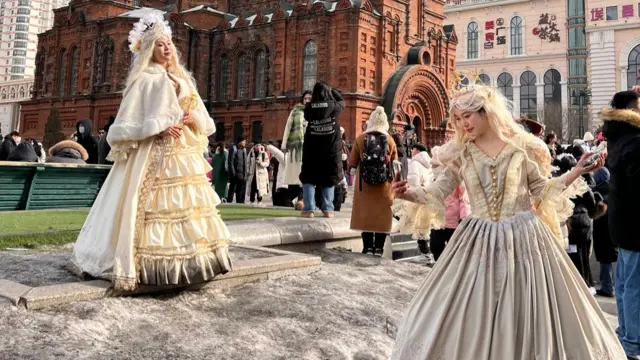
[[480, 155]]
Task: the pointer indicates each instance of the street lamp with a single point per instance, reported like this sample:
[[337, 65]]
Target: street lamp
[[581, 98]]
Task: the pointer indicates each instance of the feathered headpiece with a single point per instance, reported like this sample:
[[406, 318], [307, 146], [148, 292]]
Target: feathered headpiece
[[464, 82], [151, 27]]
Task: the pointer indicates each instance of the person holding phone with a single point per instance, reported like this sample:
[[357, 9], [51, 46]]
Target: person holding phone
[[372, 155]]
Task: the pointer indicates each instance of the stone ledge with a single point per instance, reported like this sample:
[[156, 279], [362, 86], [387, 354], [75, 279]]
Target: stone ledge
[[281, 264], [45, 296], [289, 230], [13, 291]]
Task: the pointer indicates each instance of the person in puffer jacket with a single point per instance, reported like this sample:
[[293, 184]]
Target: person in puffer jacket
[[67, 152], [421, 174], [457, 207]]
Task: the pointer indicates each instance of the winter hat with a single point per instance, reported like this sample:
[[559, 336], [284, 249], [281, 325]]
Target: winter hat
[[588, 136], [578, 142], [601, 176], [378, 122]]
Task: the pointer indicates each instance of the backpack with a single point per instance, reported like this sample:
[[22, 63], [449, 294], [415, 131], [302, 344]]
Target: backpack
[[373, 167]]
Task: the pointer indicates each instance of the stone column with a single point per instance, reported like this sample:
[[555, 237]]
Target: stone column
[[516, 101], [565, 110], [540, 100]]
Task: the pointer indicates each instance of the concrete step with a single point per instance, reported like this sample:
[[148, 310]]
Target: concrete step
[[405, 250]]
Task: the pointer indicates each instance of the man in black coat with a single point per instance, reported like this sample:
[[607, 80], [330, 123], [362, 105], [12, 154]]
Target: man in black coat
[[87, 140], [237, 165], [9, 144], [622, 130], [322, 149]]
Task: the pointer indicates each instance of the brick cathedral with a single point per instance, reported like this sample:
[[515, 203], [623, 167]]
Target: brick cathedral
[[252, 59]]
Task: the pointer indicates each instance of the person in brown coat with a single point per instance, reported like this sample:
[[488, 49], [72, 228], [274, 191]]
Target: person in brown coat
[[373, 196]]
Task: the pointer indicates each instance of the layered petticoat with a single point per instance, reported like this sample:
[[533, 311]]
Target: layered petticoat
[[505, 290], [176, 236]]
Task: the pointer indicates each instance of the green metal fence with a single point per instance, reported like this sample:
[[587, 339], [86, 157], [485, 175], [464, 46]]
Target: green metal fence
[[29, 186]]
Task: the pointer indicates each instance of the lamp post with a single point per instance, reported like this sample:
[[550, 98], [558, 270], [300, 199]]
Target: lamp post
[[581, 98]]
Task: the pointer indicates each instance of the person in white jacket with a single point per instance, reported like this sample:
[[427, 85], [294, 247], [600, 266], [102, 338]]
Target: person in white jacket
[[281, 195], [421, 175]]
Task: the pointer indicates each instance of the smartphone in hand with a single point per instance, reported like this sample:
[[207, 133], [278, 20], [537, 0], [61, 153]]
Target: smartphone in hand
[[397, 169]]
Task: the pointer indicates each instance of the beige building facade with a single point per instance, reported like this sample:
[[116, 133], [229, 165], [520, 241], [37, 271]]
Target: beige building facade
[[522, 47], [613, 28], [11, 94]]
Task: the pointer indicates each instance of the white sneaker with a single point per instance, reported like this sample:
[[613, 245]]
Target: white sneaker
[[259, 203]]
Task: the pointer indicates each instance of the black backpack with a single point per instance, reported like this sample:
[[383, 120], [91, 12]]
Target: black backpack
[[373, 168]]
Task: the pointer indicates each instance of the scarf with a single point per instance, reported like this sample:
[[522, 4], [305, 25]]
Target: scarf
[[296, 134]]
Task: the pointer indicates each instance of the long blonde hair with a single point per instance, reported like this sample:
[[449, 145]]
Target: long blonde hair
[[144, 58], [497, 110]]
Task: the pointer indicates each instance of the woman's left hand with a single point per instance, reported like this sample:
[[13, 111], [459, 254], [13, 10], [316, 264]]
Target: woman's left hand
[[187, 118], [596, 165]]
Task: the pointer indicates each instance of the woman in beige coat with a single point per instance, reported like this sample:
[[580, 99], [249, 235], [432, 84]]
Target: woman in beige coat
[[372, 203]]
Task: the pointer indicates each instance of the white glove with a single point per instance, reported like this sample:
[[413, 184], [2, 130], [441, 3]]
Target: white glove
[[344, 157]]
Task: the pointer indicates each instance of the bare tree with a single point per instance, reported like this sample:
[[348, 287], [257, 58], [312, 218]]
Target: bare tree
[[553, 116]]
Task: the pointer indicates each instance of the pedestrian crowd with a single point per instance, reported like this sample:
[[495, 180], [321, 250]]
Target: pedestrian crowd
[[82, 147]]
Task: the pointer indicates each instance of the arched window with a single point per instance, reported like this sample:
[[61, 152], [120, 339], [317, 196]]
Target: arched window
[[75, 58], [552, 88], [528, 99], [223, 78], [242, 76], [238, 131], [309, 65], [219, 131], [21, 93], [515, 32], [12, 93], [464, 81], [472, 40], [256, 132], [484, 79], [105, 66], [505, 85], [260, 74], [62, 71], [633, 71]]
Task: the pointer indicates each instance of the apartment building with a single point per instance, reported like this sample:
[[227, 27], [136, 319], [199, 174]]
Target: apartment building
[[20, 23]]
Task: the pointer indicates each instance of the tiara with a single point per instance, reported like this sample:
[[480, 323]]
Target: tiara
[[151, 26]]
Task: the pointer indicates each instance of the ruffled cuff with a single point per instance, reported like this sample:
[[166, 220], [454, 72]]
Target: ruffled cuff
[[120, 151], [555, 206], [419, 216]]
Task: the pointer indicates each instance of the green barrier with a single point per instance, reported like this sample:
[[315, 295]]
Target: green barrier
[[31, 186]]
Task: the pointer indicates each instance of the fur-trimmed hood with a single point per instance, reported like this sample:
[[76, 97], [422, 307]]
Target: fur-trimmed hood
[[68, 144], [622, 115], [619, 123]]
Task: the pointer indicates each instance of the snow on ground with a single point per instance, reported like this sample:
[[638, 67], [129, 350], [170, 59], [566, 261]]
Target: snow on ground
[[339, 312]]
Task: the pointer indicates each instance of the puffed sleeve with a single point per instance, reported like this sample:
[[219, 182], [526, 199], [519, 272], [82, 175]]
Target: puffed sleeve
[[426, 209], [551, 197]]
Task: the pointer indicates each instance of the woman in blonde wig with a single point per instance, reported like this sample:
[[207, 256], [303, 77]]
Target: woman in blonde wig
[[504, 287], [155, 220]]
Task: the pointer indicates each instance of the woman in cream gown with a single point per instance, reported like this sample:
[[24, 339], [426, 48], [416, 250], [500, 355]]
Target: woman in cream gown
[[504, 288], [155, 220]]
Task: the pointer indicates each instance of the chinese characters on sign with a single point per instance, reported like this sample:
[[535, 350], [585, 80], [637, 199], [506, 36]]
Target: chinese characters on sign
[[597, 14], [492, 33], [547, 28]]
